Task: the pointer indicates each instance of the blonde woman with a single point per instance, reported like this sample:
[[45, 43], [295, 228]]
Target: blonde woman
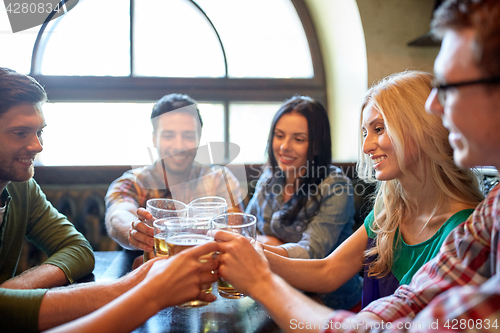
[[422, 195]]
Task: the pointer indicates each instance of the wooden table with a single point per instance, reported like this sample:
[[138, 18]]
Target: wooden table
[[223, 315]]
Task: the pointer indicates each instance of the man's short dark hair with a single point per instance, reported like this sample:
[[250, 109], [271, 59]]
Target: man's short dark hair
[[482, 16], [174, 102], [17, 89]]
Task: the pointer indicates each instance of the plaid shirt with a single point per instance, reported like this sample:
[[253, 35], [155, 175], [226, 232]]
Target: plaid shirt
[[139, 185], [457, 291]]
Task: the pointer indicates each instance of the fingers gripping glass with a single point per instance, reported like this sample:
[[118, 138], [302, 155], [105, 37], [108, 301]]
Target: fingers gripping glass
[[180, 234], [239, 223], [442, 88], [164, 208]]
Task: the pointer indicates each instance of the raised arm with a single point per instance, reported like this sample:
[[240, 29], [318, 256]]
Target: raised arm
[[40, 309], [248, 271], [123, 199], [169, 282], [323, 275], [119, 218]]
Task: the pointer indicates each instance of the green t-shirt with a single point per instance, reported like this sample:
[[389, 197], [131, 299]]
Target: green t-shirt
[[30, 216], [409, 258]]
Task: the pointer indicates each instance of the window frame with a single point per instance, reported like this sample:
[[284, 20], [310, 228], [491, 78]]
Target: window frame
[[225, 89], [219, 90]]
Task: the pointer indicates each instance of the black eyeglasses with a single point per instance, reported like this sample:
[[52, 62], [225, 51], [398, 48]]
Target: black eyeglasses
[[441, 88]]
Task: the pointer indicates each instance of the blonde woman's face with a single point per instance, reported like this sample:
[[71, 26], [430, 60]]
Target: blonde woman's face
[[378, 145]]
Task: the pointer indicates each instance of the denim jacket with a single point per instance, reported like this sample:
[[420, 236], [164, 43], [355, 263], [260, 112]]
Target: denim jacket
[[331, 225], [314, 240]]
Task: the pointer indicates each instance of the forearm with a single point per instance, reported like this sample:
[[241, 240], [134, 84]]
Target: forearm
[[62, 305], [276, 250], [44, 276], [133, 305], [307, 275], [315, 275], [288, 307], [118, 224]]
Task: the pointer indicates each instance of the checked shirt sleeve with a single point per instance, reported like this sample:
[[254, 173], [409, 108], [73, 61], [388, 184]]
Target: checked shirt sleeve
[[458, 290], [464, 259]]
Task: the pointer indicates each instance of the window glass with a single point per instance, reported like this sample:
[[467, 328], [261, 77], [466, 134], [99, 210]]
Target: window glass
[[262, 38], [249, 128], [213, 122], [16, 48], [91, 39], [110, 133], [97, 134], [173, 39]]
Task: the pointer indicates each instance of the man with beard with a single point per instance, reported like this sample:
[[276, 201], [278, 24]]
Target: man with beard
[[177, 128], [24, 210]]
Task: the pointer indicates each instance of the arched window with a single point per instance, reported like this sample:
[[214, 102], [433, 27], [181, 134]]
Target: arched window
[[105, 63]]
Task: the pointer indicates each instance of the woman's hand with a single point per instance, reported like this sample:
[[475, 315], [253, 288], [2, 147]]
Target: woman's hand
[[241, 263], [182, 277], [141, 235]]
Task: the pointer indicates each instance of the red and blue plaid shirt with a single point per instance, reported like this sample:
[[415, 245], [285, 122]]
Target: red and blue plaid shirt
[[139, 185], [457, 291]]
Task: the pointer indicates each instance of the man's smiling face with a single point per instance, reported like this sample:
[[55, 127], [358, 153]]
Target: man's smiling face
[[176, 139], [471, 112], [21, 139]]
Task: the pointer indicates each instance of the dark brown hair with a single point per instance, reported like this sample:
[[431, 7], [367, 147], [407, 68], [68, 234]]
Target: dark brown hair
[[319, 152], [173, 102], [483, 16], [17, 89]]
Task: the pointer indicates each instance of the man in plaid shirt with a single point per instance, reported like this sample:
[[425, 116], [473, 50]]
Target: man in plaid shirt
[[177, 126], [459, 290]]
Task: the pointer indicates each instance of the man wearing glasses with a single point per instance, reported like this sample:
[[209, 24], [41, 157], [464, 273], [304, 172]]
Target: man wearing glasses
[[459, 290]]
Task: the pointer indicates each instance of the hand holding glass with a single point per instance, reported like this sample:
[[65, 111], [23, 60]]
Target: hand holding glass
[[164, 208], [180, 234], [239, 223]]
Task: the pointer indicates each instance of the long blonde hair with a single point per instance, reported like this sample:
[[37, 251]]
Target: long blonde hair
[[400, 99]]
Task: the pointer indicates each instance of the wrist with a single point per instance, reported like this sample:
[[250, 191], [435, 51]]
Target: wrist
[[149, 296], [265, 286]]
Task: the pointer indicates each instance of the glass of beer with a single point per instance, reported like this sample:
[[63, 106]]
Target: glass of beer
[[183, 233], [164, 208], [239, 223], [160, 235], [206, 208]]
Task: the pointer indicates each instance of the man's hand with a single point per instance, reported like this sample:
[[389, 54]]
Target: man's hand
[[141, 235], [182, 277]]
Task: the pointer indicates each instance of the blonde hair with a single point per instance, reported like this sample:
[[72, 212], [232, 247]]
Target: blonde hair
[[400, 99]]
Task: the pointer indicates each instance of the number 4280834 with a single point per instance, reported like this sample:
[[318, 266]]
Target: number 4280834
[[462, 324], [32, 8]]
